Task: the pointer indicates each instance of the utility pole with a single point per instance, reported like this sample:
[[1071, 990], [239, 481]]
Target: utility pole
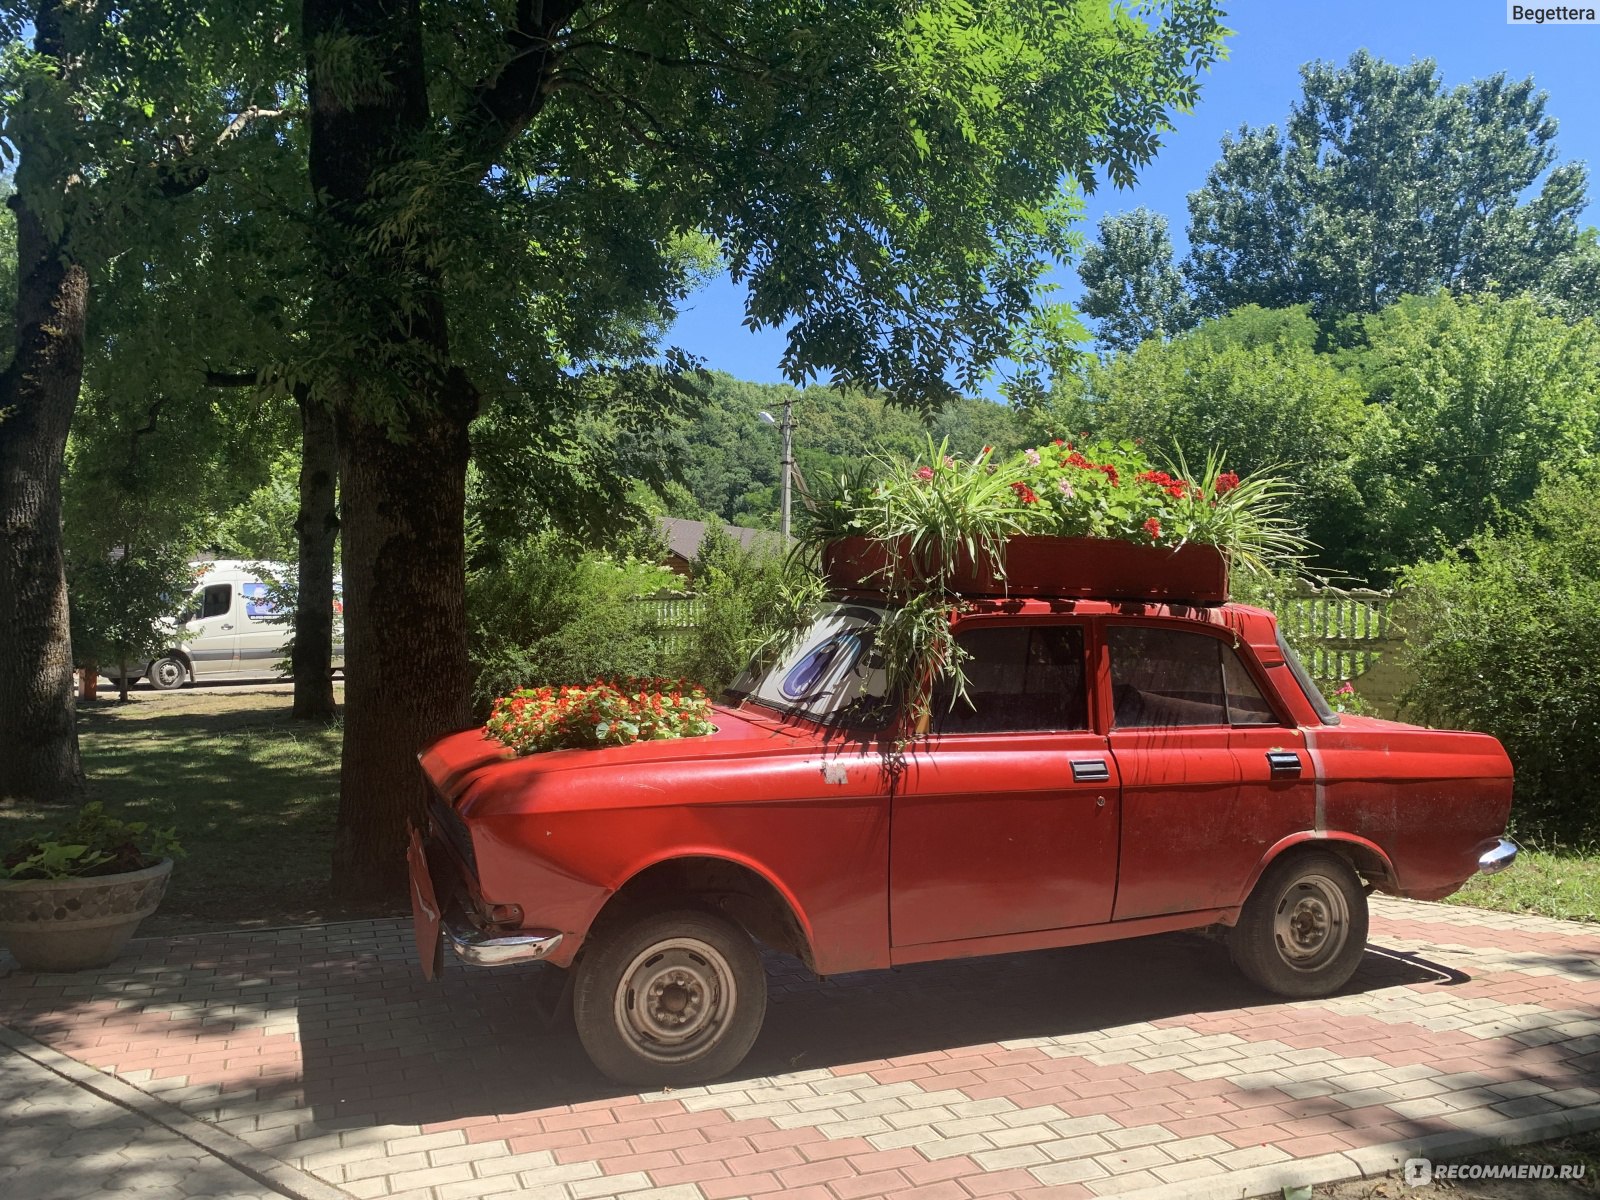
[[788, 468], [786, 427]]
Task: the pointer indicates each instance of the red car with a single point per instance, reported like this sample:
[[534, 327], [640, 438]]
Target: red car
[[1115, 769]]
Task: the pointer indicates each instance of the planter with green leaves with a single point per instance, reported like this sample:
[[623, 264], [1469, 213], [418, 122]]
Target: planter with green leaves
[[1100, 520], [71, 901]]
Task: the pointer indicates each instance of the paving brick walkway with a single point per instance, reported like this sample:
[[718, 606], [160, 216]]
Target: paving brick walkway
[[1123, 1068], [59, 1141]]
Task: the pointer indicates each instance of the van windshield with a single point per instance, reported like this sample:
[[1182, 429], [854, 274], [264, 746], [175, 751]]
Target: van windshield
[[831, 673]]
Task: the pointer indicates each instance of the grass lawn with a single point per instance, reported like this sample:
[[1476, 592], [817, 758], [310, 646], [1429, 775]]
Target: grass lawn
[[1560, 882], [252, 793]]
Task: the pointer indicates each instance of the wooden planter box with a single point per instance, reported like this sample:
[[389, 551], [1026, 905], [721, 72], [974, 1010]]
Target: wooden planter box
[[1100, 568]]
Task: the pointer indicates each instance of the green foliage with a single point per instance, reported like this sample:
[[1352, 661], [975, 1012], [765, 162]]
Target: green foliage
[[124, 605], [547, 613], [749, 599], [91, 844], [261, 527], [1251, 381], [730, 461], [1383, 183], [1471, 399], [1504, 637], [1131, 285]]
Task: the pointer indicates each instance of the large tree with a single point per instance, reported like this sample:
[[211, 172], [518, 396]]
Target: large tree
[[111, 113], [1131, 285], [888, 178], [1382, 183]]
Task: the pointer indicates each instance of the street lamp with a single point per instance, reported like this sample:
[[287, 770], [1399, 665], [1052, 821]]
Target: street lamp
[[787, 427]]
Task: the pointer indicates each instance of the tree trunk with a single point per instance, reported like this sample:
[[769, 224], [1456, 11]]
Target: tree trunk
[[316, 529], [402, 413], [38, 392], [406, 673]]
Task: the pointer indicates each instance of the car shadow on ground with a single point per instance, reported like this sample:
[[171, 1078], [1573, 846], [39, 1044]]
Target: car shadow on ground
[[475, 1046]]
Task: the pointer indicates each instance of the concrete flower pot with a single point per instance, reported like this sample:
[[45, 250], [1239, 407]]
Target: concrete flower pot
[[77, 924]]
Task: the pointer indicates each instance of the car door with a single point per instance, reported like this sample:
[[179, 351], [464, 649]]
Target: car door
[[213, 644], [1196, 813], [1004, 819], [263, 635]]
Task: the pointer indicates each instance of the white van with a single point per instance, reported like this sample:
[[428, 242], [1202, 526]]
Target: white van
[[229, 628]]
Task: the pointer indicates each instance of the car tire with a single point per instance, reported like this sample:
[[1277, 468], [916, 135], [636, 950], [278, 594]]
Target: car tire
[[1304, 928], [168, 673], [669, 999]]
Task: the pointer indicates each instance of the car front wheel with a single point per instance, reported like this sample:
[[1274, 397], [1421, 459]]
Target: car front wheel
[[670, 999], [168, 673], [1304, 928]]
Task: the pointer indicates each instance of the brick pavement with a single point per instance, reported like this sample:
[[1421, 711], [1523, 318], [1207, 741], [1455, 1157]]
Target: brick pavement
[[63, 1142], [1135, 1067]]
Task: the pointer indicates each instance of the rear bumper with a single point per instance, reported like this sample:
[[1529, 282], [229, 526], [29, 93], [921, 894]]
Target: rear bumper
[[1495, 860], [479, 949]]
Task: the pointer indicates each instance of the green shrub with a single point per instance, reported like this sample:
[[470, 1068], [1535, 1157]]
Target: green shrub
[[1505, 637], [546, 613], [748, 598]]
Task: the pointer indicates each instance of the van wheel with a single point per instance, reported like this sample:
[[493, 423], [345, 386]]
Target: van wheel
[[1304, 928], [168, 673], [670, 999]]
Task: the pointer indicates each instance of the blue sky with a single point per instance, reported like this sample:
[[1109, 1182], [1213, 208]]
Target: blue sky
[[1255, 86]]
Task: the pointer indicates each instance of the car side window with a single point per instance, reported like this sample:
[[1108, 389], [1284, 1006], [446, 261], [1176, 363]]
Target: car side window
[[1246, 704], [217, 599], [1019, 678], [1165, 677]]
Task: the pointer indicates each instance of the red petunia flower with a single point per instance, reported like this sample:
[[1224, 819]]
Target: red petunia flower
[[1153, 528]]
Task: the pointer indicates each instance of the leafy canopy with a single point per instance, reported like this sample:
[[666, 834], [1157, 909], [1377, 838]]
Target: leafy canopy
[[1382, 183]]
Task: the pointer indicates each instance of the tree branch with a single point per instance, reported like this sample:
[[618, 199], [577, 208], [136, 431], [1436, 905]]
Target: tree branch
[[503, 105], [241, 122], [231, 379]]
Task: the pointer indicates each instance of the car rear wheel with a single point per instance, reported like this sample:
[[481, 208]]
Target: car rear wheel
[[1304, 928], [670, 998]]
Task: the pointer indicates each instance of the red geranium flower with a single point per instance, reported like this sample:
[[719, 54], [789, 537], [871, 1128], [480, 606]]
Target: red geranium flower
[[1153, 528], [925, 473], [1226, 482], [1024, 492]]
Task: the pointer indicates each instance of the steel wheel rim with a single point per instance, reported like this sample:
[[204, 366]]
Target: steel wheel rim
[[1312, 923], [168, 673], [675, 999]]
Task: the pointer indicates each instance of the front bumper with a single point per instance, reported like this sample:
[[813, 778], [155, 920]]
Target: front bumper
[[472, 945], [1492, 862]]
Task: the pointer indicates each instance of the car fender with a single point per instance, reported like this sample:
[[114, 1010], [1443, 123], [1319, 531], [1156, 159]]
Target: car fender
[[1364, 850], [723, 854]]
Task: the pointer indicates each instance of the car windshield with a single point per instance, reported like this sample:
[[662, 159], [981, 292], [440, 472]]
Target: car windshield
[[830, 673]]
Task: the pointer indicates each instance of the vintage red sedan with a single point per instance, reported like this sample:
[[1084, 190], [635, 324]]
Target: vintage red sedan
[[1116, 769]]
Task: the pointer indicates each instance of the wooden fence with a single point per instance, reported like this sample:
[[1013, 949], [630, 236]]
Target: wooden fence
[[1340, 634]]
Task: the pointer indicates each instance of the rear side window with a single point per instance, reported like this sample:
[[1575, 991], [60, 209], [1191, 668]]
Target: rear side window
[[1019, 678], [1170, 677]]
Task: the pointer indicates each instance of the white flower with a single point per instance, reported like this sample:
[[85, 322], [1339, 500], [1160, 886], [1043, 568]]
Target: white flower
[[1033, 458]]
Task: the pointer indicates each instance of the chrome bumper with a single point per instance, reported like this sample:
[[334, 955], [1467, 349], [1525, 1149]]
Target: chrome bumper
[[479, 949], [1491, 862]]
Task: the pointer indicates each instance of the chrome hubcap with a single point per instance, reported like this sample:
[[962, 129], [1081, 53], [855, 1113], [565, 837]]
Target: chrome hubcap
[[675, 998], [1312, 923]]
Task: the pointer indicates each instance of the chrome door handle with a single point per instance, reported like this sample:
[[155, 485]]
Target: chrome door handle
[[1090, 770], [1285, 764]]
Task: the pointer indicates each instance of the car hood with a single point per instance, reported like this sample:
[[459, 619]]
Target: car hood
[[471, 766]]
